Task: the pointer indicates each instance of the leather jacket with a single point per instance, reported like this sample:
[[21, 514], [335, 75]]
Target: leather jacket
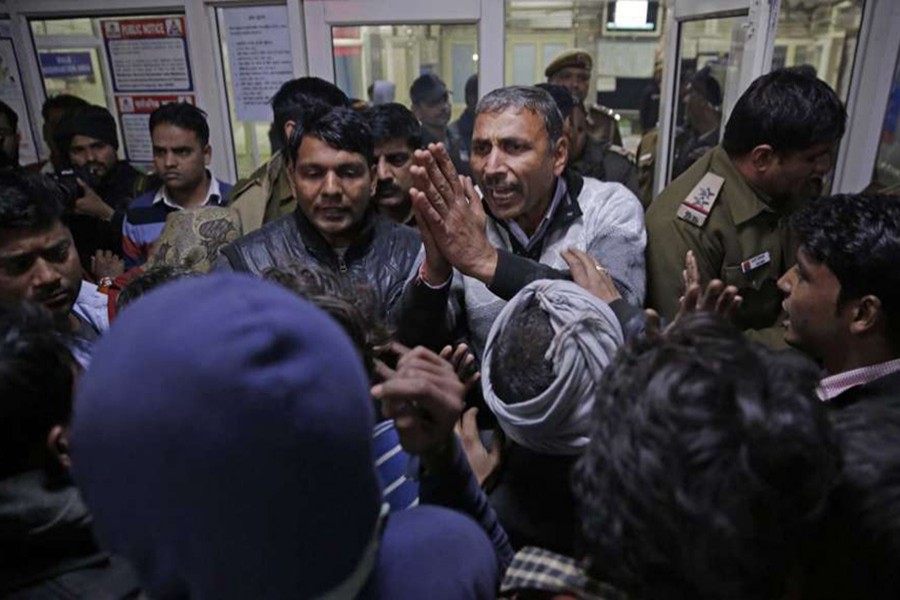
[[382, 260]]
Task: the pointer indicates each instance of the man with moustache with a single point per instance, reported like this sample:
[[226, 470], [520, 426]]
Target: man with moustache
[[397, 134], [90, 140], [532, 214], [181, 155], [731, 207], [332, 167], [39, 263]]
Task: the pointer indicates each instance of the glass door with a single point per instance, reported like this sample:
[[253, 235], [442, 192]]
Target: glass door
[[713, 50]]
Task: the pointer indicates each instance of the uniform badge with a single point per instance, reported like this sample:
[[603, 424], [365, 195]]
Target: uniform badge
[[696, 207], [755, 262]]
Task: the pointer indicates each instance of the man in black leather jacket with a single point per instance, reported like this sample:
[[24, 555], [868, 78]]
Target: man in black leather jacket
[[331, 169]]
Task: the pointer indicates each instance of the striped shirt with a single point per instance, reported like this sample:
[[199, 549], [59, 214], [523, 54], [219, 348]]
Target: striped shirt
[[391, 463], [835, 385], [146, 218]]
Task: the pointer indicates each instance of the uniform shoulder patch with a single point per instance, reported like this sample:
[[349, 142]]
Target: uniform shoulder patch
[[695, 208]]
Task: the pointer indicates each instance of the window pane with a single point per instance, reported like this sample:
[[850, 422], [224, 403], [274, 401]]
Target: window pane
[[145, 56], [821, 34], [622, 37], [710, 51], [262, 55], [887, 164], [400, 53], [82, 78]]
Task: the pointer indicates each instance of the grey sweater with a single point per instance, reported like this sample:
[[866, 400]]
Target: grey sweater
[[603, 219]]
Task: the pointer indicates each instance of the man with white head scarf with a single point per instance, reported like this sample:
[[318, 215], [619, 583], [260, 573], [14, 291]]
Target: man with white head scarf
[[543, 361]]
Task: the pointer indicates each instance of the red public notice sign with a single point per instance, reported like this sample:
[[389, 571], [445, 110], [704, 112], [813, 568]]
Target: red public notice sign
[[133, 29]]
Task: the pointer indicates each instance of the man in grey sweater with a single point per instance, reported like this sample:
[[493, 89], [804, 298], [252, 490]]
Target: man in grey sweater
[[480, 254]]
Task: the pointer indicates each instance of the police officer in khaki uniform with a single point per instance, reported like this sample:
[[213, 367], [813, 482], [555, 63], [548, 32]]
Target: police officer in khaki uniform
[[572, 70], [732, 207], [603, 161]]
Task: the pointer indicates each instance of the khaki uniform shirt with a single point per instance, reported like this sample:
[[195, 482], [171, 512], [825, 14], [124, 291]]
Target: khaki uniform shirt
[[264, 196], [743, 225]]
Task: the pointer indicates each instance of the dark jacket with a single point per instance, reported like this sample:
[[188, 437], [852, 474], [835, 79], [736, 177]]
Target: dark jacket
[[534, 501], [47, 548], [884, 390], [123, 184], [382, 260]]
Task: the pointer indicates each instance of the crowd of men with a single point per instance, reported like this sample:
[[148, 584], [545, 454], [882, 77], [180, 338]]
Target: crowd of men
[[410, 358]]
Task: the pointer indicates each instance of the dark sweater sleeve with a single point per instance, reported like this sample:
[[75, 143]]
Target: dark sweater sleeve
[[515, 272], [456, 488], [424, 316]]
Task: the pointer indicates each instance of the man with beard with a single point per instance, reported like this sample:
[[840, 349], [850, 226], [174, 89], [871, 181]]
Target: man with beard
[[90, 140], [731, 207], [397, 134], [181, 155], [39, 263]]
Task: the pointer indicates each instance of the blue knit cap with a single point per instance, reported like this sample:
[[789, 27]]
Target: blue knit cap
[[223, 440]]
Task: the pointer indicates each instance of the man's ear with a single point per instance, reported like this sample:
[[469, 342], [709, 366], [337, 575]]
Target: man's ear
[[207, 155], [289, 127], [58, 445], [560, 155], [762, 158], [867, 315]]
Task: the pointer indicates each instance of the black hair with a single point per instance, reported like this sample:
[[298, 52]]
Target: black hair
[[352, 307], [29, 201], [37, 371], [471, 90], [519, 369], [707, 468], [564, 99], [148, 281], [393, 121], [184, 116], [66, 102], [341, 128], [297, 96], [786, 109], [857, 236], [11, 115], [858, 546]]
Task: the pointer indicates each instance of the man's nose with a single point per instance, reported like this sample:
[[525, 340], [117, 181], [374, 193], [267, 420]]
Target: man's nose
[[494, 163], [786, 281], [331, 185], [383, 170], [44, 274]]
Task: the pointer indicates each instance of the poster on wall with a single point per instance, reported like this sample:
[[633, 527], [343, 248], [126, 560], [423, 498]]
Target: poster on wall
[[134, 121], [12, 93], [147, 55], [64, 65], [259, 54]]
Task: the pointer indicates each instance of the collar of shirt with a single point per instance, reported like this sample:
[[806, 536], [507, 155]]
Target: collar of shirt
[[519, 233], [213, 194], [832, 386]]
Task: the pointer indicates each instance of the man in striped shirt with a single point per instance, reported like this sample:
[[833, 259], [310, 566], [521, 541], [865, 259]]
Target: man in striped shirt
[[181, 155], [843, 296]]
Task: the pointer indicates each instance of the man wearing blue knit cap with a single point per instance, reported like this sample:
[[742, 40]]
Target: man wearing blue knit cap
[[247, 471]]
